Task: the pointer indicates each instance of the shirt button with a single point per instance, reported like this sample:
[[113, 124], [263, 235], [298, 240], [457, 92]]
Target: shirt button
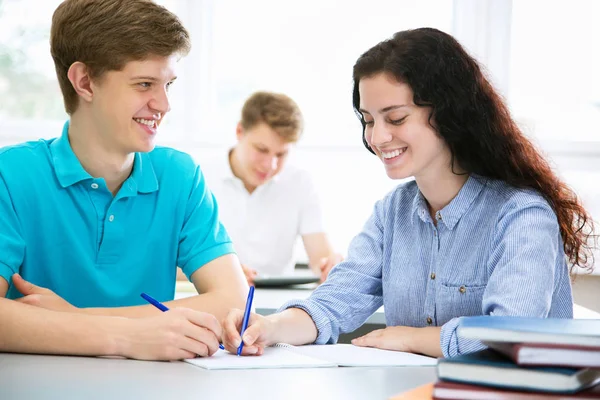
[[111, 218], [94, 185], [438, 216], [429, 321], [432, 276], [462, 289]]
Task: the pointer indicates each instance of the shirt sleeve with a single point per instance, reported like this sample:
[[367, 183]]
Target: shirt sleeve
[[524, 272], [353, 289], [311, 215], [203, 238], [12, 244]]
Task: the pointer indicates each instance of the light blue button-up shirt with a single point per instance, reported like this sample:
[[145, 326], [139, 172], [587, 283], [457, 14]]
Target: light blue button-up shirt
[[62, 229], [496, 250]]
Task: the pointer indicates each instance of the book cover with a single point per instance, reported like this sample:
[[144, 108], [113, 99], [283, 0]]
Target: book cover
[[546, 354], [579, 332], [457, 391], [489, 368]]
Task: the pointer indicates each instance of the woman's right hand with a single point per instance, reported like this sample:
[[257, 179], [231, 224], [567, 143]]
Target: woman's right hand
[[258, 335], [173, 335]]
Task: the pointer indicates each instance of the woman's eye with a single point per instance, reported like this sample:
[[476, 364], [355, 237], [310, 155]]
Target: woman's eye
[[368, 123], [397, 121]]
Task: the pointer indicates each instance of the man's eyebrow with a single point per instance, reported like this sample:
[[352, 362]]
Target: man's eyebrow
[[144, 78], [149, 78]]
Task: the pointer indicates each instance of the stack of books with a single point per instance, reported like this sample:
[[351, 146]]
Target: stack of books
[[527, 358]]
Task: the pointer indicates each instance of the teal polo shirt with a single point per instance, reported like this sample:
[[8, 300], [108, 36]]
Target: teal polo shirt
[[62, 229]]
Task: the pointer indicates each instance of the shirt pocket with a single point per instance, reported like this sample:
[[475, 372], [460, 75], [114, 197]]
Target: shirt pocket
[[458, 301]]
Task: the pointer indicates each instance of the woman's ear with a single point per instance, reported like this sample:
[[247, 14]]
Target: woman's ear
[[79, 77]]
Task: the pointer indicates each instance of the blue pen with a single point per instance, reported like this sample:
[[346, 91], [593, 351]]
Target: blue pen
[[163, 308], [246, 318], [154, 302]]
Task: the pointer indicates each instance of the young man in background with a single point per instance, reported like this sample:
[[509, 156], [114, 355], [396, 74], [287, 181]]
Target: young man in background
[[264, 202]]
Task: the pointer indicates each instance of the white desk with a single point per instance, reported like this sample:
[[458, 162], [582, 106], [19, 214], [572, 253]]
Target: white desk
[[584, 313], [63, 378]]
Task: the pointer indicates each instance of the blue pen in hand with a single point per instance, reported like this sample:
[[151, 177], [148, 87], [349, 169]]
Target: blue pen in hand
[[246, 318], [163, 308]]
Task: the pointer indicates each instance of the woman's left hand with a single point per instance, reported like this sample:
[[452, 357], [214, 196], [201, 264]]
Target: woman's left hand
[[404, 338], [391, 338]]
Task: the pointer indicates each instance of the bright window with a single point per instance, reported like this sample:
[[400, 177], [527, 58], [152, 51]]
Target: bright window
[[305, 49], [555, 69]]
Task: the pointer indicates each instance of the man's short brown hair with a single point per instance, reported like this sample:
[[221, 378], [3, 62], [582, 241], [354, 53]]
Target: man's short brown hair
[[276, 110], [107, 34]]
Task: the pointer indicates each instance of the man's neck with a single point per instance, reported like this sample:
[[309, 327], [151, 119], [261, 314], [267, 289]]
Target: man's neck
[[96, 156]]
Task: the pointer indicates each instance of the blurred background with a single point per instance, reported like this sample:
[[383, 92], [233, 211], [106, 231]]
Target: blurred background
[[544, 57]]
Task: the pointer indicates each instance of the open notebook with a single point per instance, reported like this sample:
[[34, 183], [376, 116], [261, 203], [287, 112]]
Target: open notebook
[[313, 356]]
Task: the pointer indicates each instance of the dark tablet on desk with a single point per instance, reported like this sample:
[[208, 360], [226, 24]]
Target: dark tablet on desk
[[279, 281]]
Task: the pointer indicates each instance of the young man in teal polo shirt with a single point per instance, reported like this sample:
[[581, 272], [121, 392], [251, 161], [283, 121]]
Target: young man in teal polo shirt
[[97, 216]]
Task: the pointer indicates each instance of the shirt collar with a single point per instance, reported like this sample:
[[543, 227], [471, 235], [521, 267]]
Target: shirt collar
[[69, 170], [143, 177], [225, 167], [453, 212], [227, 172]]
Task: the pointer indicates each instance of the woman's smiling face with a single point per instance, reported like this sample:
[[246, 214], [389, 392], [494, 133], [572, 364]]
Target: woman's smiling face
[[399, 131]]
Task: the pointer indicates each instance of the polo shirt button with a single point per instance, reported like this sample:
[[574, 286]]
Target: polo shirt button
[[462, 289], [429, 321], [94, 185], [111, 218], [432, 276]]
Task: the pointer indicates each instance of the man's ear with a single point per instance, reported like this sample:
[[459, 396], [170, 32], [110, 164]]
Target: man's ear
[[79, 77], [239, 131]]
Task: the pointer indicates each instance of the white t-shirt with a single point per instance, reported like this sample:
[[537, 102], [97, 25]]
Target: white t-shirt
[[264, 225]]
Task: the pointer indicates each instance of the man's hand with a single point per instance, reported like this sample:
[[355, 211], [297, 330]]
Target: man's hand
[[40, 297], [173, 335], [327, 263], [250, 274]]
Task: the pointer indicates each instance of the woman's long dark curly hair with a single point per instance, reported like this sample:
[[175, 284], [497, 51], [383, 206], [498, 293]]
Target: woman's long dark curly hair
[[476, 124]]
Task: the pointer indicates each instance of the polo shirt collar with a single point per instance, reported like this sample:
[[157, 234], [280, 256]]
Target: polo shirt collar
[[69, 170], [453, 212], [143, 176]]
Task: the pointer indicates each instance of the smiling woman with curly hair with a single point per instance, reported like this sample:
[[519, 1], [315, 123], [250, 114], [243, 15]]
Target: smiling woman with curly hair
[[485, 227]]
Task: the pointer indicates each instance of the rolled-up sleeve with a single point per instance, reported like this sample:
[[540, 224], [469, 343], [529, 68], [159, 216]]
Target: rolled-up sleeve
[[203, 238], [353, 289], [523, 272]]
